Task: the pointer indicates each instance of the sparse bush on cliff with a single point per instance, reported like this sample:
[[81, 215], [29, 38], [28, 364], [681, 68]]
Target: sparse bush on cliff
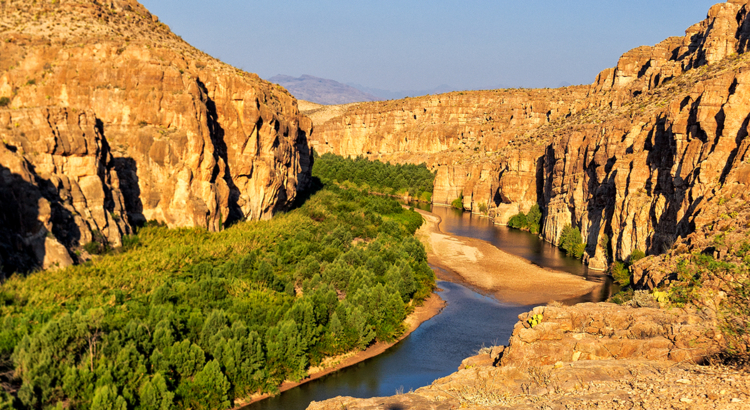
[[636, 255], [722, 285], [4, 101], [482, 207]]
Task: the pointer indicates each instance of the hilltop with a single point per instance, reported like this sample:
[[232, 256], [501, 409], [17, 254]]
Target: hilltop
[[109, 119], [321, 90]]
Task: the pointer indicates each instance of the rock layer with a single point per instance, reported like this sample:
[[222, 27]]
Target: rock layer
[[194, 142]]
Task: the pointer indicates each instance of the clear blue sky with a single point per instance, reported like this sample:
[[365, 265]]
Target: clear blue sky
[[420, 44]]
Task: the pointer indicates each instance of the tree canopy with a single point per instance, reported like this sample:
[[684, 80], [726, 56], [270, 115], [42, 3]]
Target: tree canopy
[[193, 319]]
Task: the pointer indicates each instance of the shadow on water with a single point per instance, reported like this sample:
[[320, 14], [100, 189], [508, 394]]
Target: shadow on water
[[434, 350]]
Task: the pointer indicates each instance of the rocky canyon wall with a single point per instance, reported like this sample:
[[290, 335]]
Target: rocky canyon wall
[[176, 136], [469, 138], [635, 160]]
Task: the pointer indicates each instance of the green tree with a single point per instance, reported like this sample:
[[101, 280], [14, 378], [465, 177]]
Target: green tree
[[155, 395], [534, 218], [209, 390], [286, 354], [106, 398], [458, 203], [571, 241]]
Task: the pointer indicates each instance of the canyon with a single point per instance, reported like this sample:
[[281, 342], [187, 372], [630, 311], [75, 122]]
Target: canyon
[[636, 160], [109, 120]]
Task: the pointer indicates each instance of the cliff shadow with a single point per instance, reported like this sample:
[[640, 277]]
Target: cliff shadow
[[22, 234], [127, 172], [220, 152], [314, 185]]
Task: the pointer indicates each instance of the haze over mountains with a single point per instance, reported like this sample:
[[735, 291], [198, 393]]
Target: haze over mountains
[[330, 92], [321, 90]]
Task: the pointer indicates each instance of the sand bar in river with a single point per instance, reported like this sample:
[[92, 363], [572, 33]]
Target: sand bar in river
[[508, 277]]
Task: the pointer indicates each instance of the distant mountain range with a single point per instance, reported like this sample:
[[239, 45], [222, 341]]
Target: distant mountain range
[[331, 92], [321, 90]]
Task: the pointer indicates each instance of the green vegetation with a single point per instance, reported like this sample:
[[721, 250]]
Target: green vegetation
[[4, 101], [701, 280], [186, 318], [620, 270], [527, 222], [376, 176], [458, 203], [572, 242]]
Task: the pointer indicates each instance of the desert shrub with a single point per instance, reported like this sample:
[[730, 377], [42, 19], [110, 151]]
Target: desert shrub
[[620, 273], [636, 255], [518, 221], [458, 203], [483, 207], [572, 242], [4, 101], [376, 176]]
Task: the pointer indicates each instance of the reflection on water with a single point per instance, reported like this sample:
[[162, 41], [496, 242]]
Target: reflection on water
[[434, 350], [522, 244]]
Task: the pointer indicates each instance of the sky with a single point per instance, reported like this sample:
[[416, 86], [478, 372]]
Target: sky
[[421, 44]]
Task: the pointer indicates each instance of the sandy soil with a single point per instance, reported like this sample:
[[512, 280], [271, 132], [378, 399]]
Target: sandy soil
[[482, 265], [431, 307]]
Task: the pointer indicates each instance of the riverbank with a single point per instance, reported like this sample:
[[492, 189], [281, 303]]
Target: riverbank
[[432, 306], [483, 266]]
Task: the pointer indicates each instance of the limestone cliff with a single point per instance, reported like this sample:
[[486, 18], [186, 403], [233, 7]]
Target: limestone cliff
[[468, 137], [632, 159], [192, 141]]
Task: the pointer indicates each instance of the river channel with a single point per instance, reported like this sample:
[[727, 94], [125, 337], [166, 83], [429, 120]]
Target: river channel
[[469, 321]]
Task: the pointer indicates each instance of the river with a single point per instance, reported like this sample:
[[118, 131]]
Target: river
[[468, 322]]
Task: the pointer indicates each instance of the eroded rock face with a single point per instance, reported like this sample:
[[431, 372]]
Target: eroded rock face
[[631, 160], [469, 138], [58, 187], [604, 331], [194, 141]]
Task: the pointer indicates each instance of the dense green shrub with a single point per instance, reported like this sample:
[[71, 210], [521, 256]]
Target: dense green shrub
[[458, 203], [636, 255], [529, 222], [620, 274], [518, 221], [534, 218], [376, 176], [572, 242], [192, 319]]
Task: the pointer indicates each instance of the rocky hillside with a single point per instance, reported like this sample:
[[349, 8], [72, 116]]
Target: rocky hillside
[[634, 160], [587, 356], [108, 119]]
